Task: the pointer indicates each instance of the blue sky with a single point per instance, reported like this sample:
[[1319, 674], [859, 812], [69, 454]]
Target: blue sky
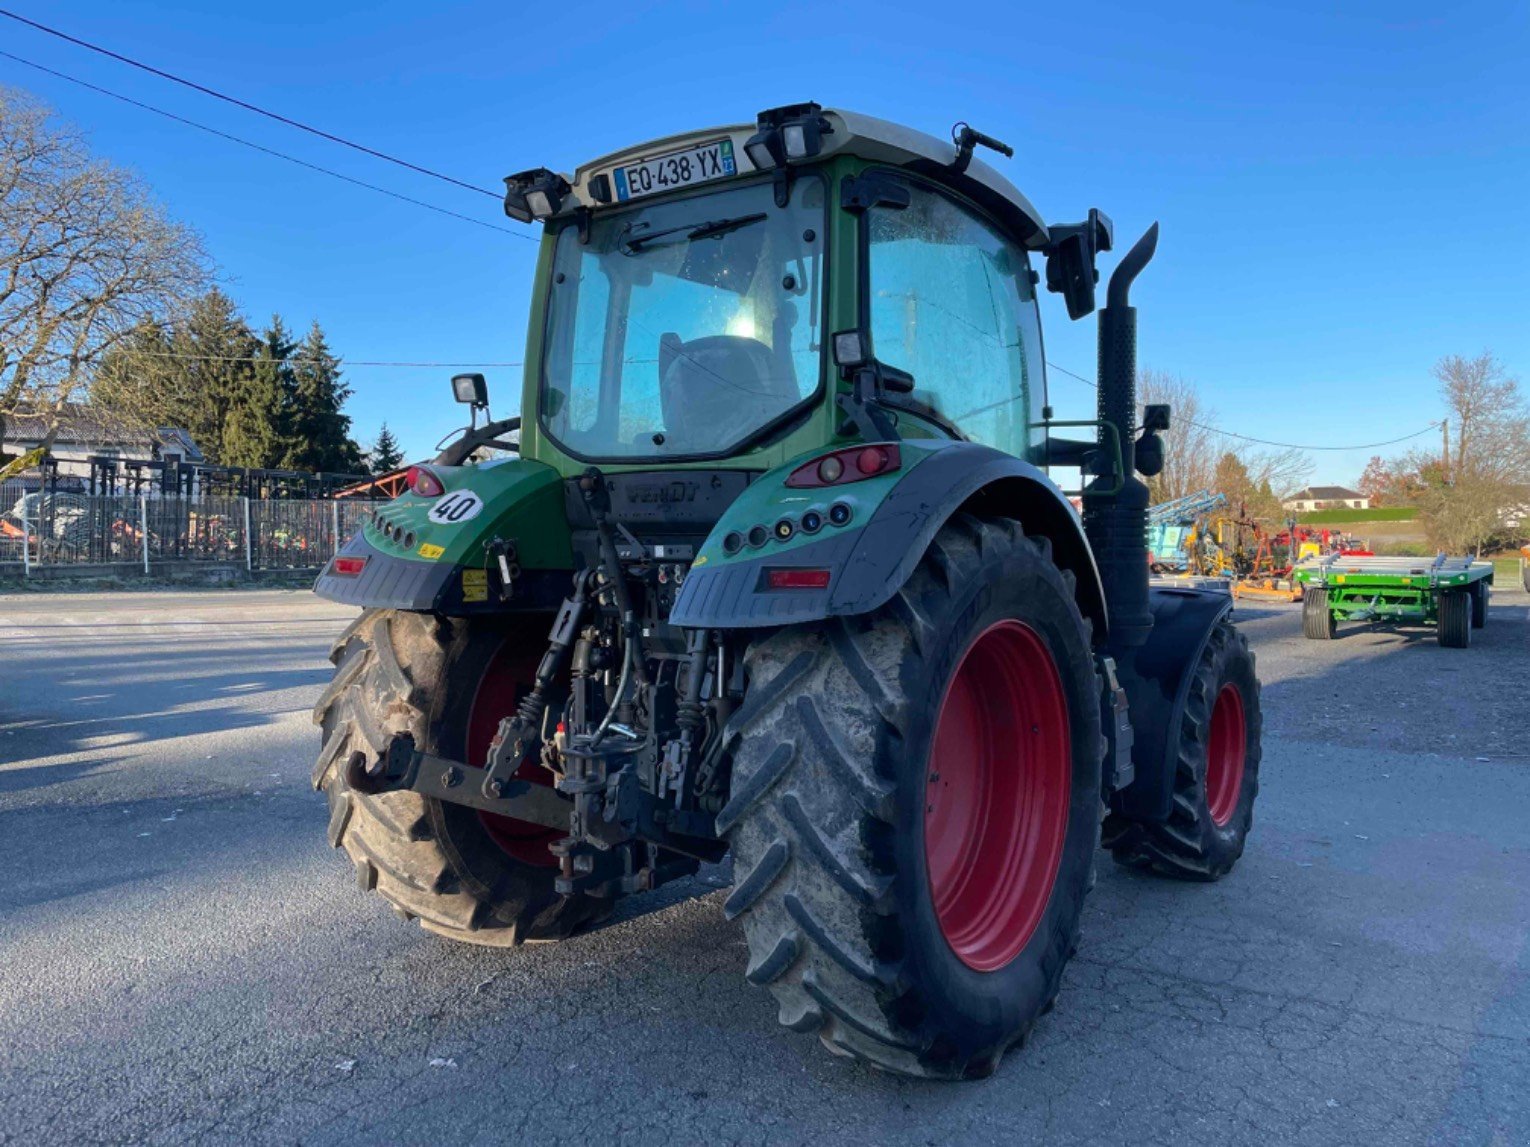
[[1342, 189]]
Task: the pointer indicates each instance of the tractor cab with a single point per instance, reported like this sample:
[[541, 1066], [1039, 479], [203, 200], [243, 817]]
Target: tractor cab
[[709, 296]]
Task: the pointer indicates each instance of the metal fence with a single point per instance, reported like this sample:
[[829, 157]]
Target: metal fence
[[49, 529]]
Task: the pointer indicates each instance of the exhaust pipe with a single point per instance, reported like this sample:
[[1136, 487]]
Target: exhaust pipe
[[1116, 522]]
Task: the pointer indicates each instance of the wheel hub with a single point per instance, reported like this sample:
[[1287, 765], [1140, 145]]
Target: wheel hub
[[505, 681], [1226, 750], [997, 795]]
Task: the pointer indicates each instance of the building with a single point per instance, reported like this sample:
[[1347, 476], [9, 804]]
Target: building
[[1326, 498], [85, 433]]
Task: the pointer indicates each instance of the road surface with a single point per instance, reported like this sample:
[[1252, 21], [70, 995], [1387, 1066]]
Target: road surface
[[182, 957]]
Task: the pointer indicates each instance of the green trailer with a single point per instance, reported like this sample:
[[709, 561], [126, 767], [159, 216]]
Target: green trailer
[[1449, 593]]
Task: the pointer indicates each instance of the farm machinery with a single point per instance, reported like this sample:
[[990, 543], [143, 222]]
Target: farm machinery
[[1448, 593], [1174, 530], [778, 571]]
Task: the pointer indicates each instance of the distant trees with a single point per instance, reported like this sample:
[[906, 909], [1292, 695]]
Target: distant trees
[[248, 400], [1466, 497], [1378, 481], [387, 456], [1198, 456], [318, 431], [104, 298], [87, 256]]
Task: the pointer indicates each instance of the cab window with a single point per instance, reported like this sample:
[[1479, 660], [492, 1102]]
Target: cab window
[[951, 302]]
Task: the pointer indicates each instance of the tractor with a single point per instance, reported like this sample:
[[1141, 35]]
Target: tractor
[[772, 566]]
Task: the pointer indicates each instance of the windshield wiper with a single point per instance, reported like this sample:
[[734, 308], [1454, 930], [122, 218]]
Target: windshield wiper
[[723, 226], [707, 230]]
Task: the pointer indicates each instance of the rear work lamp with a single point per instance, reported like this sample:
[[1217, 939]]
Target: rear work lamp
[[787, 134], [536, 194]]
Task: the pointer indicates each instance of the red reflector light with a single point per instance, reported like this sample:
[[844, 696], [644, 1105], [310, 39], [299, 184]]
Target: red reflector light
[[872, 460], [797, 579], [349, 567], [423, 482], [853, 464]]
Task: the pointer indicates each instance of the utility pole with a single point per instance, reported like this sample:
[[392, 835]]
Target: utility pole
[[1445, 456]]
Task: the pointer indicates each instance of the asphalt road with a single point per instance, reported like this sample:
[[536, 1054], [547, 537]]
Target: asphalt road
[[183, 958]]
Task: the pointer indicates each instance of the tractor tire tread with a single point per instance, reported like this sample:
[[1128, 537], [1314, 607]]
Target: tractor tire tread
[[1184, 847], [386, 664], [813, 808]]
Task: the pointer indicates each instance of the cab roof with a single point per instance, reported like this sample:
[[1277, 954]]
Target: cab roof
[[865, 136]]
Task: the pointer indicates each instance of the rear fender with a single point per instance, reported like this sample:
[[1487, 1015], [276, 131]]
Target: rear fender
[[1157, 683], [894, 518], [432, 553]]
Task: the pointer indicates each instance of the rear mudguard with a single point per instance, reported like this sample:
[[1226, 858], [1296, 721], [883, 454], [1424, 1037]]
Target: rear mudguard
[[892, 520], [435, 553], [1157, 684]]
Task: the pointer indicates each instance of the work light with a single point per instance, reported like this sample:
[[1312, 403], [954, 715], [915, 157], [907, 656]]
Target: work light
[[470, 389], [791, 133], [535, 194]]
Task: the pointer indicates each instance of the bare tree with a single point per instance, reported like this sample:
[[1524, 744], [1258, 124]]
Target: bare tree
[[1194, 447], [1191, 447], [86, 256], [1466, 499], [1490, 418]]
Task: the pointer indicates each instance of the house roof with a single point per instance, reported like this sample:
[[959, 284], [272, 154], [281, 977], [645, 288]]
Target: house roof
[[1324, 494], [84, 425]]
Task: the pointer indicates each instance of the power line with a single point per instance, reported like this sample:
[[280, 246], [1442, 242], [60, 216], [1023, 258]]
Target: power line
[[1261, 441], [246, 105], [261, 148]]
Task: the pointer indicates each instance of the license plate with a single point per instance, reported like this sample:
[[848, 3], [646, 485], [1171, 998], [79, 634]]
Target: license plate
[[677, 169]]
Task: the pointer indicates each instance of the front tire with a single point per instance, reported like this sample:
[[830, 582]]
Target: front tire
[[885, 907], [1216, 772], [464, 876]]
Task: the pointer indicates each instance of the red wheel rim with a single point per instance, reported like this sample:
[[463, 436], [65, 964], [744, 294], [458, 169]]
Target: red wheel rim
[[1225, 754], [996, 801], [507, 679]]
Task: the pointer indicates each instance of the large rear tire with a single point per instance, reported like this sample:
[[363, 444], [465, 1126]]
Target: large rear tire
[[1479, 593], [914, 808], [464, 876], [1216, 772]]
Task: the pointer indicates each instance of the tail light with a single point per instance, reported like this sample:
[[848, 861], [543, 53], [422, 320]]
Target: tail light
[[348, 567], [852, 464], [797, 579], [423, 482]]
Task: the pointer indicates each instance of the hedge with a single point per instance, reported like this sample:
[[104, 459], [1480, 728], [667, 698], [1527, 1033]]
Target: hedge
[[1375, 514]]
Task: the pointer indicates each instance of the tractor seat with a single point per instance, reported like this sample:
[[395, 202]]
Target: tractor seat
[[717, 389]]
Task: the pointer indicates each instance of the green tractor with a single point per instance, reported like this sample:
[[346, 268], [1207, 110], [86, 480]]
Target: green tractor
[[774, 567]]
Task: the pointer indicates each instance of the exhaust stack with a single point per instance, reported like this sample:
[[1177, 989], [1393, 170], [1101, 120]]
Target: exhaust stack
[[1116, 523]]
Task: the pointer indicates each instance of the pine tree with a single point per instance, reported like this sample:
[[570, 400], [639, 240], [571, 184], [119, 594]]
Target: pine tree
[[254, 432], [318, 432], [386, 455], [216, 344]]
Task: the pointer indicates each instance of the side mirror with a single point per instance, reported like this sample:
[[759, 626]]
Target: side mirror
[[471, 389], [1070, 260]]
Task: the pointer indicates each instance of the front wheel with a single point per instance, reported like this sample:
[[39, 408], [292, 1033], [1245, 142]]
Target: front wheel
[[1216, 772], [915, 808]]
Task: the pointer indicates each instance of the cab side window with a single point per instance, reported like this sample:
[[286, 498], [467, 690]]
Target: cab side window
[[951, 302]]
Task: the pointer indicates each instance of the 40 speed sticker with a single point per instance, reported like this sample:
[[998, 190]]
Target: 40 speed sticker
[[457, 507]]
